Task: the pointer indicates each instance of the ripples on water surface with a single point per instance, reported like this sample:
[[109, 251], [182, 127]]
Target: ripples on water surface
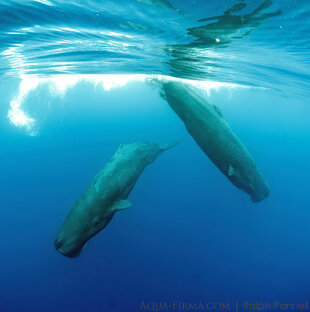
[[259, 43]]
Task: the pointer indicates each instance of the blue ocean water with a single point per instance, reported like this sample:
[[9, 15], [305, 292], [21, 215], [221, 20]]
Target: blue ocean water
[[76, 82]]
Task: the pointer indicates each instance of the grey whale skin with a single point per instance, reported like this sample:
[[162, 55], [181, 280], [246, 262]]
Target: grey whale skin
[[214, 136], [105, 195]]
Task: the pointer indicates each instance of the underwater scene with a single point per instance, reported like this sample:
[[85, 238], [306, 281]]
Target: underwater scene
[[154, 155]]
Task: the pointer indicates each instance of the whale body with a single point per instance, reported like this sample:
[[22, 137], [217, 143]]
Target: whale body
[[105, 195], [214, 136]]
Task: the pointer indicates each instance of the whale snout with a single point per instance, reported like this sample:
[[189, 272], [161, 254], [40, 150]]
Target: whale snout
[[260, 193], [68, 249], [58, 243]]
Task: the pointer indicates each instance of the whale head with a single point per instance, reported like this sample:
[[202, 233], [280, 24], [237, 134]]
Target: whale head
[[254, 184], [82, 224], [260, 191], [69, 248], [73, 235], [79, 226]]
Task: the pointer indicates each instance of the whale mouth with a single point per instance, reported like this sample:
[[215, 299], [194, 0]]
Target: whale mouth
[[260, 196], [69, 250], [70, 254]]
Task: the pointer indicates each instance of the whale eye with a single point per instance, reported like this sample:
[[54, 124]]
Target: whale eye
[[122, 145], [58, 242], [96, 221]]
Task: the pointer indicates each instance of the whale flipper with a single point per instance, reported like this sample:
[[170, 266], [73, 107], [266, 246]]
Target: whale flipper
[[121, 205], [231, 171]]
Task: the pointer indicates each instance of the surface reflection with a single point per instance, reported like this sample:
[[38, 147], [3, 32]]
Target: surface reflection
[[200, 54]]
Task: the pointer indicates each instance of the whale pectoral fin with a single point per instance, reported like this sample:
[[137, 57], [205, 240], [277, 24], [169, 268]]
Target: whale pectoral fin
[[231, 171], [121, 204]]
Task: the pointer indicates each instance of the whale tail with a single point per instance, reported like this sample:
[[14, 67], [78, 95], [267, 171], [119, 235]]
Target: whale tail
[[170, 145]]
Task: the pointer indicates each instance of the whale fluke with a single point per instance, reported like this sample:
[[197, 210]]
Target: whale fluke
[[170, 145]]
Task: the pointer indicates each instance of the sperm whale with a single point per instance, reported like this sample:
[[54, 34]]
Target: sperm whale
[[205, 123], [106, 194]]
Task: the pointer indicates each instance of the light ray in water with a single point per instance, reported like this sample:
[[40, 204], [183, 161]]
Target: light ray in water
[[58, 86], [46, 2]]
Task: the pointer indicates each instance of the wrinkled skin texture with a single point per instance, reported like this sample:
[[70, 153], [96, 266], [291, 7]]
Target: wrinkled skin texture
[[214, 136]]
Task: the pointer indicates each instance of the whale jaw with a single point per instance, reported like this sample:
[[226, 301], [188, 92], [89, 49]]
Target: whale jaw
[[68, 250]]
